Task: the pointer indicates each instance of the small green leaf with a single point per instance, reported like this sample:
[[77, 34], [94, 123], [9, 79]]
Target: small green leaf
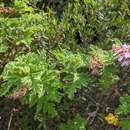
[[125, 124]]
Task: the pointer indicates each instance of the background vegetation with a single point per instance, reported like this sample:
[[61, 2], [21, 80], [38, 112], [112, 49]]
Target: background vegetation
[[60, 66]]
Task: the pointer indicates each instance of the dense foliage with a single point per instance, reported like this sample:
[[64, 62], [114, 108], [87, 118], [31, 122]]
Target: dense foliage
[[65, 65]]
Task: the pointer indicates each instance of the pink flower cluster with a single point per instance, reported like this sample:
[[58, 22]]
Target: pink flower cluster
[[95, 64], [123, 53]]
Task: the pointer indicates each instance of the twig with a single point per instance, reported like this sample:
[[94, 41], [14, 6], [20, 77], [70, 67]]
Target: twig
[[93, 115], [10, 120]]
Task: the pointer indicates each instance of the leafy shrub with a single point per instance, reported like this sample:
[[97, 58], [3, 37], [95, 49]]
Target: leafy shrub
[[61, 60], [77, 123]]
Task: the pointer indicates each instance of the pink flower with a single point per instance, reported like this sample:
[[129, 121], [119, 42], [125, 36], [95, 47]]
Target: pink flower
[[123, 53], [127, 55], [95, 64]]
